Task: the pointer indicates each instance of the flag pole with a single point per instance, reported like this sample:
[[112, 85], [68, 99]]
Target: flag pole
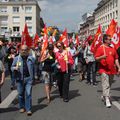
[[66, 60]]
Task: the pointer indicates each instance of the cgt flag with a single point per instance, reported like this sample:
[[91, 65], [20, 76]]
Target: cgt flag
[[114, 32], [112, 28], [97, 40]]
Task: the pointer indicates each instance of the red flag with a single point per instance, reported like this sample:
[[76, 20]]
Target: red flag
[[63, 35], [97, 40], [112, 28], [116, 38], [71, 40], [64, 38], [45, 30], [77, 40], [66, 42], [88, 39], [36, 38], [43, 52], [65, 32], [45, 44], [26, 39], [26, 29], [114, 32]]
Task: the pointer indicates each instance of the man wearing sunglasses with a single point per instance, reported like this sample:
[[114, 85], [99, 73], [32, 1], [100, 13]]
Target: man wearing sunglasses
[[108, 61]]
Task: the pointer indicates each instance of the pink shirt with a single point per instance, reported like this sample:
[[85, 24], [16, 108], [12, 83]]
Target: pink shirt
[[64, 58]]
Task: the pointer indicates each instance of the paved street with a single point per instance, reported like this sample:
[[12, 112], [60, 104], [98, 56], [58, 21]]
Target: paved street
[[84, 104]]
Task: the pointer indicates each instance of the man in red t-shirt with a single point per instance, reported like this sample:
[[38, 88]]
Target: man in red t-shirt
[[108, 59]]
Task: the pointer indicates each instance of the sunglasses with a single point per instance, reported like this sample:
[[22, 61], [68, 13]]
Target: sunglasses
[[24, 49], [109, 39], [59, 46]]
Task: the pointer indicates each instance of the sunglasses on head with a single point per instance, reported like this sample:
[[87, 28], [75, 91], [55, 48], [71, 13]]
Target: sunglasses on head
[[59, 46], [109, 39]]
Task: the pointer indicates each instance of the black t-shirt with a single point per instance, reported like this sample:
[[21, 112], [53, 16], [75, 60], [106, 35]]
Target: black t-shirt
[[81, 57], [48, 63], [25, 67]]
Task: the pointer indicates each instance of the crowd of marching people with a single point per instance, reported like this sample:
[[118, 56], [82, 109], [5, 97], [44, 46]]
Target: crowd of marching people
[[55, 65]]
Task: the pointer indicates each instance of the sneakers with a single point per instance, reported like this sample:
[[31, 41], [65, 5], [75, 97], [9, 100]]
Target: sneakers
[[94, 84], [89, 83], [22, 110], [108, 103], [65, 100], [12, 87], [103, 98], [29, 113], [55, 84], [80, 78]]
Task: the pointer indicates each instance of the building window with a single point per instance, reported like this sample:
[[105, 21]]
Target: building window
[[106, 18], [116, 14], [111, 6], [113, 3], [110, 15], [108, 7], [116, 3], [16, 29], [28, 9], [15, 9], [3, 9], [28, 19], [3, 30], [113, 15], [16, 19], [4, 20], [29, 29]]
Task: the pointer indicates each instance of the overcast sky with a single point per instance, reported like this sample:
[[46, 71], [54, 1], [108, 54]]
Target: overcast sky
[[65, 13]]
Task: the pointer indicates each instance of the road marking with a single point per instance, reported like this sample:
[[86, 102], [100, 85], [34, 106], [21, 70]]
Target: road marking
[[116, 104], [8, 100]]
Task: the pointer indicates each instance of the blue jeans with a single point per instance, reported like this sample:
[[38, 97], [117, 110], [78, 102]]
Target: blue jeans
[[12, 79], [25, 93]]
